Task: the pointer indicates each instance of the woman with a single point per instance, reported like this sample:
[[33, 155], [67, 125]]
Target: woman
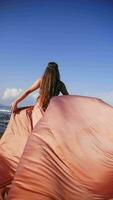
[[23, 121], [50, 85]]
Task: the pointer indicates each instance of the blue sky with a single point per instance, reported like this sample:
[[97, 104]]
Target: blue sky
[[77, 34]]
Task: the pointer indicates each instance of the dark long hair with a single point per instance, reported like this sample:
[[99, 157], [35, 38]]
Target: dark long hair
[[49, 83]]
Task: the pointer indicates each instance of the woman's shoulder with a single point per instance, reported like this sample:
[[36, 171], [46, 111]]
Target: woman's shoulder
[[63, 88], [37, 83], [61, 83], [40, 80]]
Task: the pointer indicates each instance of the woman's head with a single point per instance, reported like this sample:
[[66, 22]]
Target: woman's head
[[50, 80]]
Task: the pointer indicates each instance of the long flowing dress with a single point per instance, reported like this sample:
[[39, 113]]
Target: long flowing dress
[[13, 142], [69, 155]]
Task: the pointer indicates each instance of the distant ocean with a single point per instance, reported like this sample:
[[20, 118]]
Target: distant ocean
[[4, 119]]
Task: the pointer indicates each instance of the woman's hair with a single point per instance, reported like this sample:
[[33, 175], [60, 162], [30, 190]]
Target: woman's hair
[[49, 83]]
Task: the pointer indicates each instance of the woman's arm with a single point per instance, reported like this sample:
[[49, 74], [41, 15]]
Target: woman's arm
[[63, 89], [33, 87]]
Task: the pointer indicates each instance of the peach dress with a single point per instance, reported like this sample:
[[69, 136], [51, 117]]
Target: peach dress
[[68, 156], [13, 142]]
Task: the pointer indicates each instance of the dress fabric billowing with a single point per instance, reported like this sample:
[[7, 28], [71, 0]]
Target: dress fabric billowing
[[13, 142], [69, 155]]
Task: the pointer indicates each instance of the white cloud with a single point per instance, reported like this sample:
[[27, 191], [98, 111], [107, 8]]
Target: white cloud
[[11, 93]]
